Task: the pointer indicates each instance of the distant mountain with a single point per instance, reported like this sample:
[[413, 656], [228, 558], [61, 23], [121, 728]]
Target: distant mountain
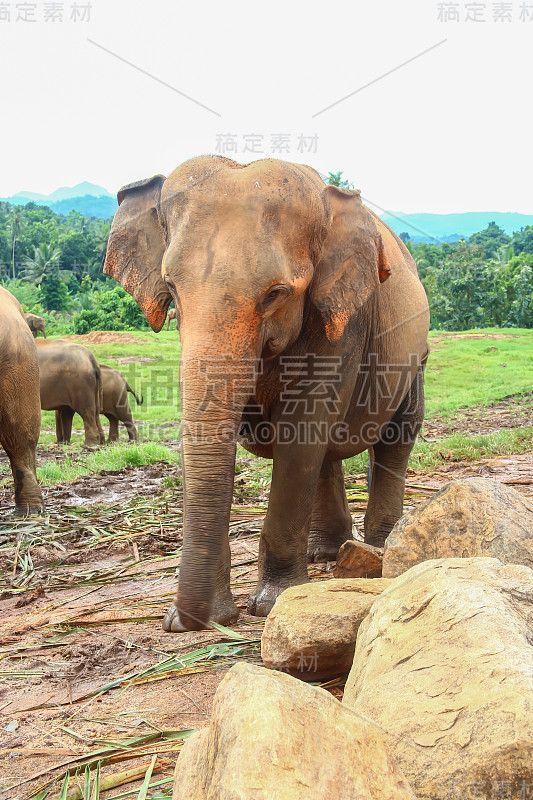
[[452, 227], [86, 198]]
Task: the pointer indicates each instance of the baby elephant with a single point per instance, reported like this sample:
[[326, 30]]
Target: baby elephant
[[35, 324], [71, 383], [115, 404], [170, 316]]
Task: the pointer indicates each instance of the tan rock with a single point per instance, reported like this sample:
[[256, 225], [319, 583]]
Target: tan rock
[[472, 517], [275, 738], [444, 664], [359, 560], [311, 631]]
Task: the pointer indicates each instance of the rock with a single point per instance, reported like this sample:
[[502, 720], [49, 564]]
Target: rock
[[444, 664], [311, 631], [359, 560], [272, 736], [472, 517]]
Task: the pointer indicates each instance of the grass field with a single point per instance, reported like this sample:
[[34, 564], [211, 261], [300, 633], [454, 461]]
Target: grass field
[[470, 369]]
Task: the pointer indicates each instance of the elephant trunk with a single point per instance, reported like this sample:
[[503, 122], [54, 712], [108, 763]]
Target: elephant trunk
[[213, 398]]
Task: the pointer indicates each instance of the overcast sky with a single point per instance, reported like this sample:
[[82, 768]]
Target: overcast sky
[[449, 131]]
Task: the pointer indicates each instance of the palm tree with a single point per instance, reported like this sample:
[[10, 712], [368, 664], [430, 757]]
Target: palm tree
[[16, 225], [45, 258]]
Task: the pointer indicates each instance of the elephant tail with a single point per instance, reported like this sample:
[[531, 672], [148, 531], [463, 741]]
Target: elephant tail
[[129, 389]]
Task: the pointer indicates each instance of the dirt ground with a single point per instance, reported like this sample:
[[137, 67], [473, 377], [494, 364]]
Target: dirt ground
[[104, 337], [83, 591]]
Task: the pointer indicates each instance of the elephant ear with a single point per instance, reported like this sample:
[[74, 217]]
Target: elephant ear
[[136, 246], [352, 262]]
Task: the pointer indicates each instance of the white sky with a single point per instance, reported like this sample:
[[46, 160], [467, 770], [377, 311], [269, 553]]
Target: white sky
[[449, 132]]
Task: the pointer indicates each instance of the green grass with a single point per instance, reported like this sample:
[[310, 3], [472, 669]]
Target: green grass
[[112, 457], [468, 371]]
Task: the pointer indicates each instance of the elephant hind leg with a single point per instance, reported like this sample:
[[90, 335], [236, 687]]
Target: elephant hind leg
[[391, 457], [127, 420], [331, 522], [94, 433], [19, 440]]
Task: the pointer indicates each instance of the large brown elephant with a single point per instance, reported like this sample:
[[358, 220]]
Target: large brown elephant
[[35, 324], [71, 383], [303, 329], [20, 409]]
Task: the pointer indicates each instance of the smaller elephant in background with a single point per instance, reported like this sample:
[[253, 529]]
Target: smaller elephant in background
[[71, 383], [116, 406], [170, 316], [35, 324]]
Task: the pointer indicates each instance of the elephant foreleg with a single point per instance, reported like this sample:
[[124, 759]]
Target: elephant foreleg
[[283, 545], [224, 610], [331, 521], [391, 456]]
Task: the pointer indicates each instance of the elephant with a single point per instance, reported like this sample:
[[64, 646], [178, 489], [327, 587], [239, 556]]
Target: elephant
[[303, 328], [115, 406], [70, 383], [20, 409], [35, 324], [115, 403], [170, 316]]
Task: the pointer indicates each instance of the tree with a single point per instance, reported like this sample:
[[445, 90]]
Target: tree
[[522, 240], [335, 179], [38, 268], [491, 238], [53, 291], [404, 237], [16, 226]]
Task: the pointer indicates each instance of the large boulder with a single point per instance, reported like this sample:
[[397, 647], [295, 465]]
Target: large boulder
[[444, 664], [472, 517], [311, 631], [272, 736]]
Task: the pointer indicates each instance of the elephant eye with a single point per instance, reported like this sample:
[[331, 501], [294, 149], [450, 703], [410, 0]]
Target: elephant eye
[[273, 293]]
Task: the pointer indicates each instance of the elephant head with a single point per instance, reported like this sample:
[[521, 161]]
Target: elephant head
[[241, 249]]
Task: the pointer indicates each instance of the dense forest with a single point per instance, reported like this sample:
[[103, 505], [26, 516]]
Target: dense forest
[[53, 265]]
